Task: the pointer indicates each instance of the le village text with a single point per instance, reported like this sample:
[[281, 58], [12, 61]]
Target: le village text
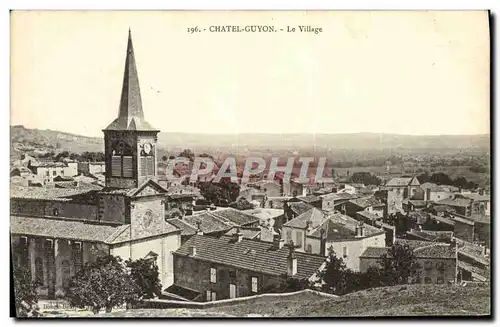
[[255, 29]]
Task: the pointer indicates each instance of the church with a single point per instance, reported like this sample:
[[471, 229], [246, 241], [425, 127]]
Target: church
[[55, 231]]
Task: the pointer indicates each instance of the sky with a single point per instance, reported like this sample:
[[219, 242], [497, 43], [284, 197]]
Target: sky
[[418, 73]]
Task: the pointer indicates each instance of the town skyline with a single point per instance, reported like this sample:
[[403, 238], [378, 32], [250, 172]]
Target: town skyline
[[293, 88]]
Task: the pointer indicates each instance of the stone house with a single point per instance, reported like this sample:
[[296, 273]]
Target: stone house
[[210, 268], [317, 232]]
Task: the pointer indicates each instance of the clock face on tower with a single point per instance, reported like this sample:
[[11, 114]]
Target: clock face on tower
[[147, 148]]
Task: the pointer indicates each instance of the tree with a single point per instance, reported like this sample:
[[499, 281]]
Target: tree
[[187, 153], [25, 293], [334, 275], [145, 275], [221, 193], [441, 179], [363, 177], [164, 158], [399, 265], [104, 283]]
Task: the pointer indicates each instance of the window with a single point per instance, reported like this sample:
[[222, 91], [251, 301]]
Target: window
[[116, 166], [232, 274], [55, 212], [428, 265], [344, 251], [440, 266], [298, 235], [209, 295], [288, 236], [213, 275], [309, 248], [440, 280], [47, 173], [54, 172], [255, 284], [214, 296], [428, 280]]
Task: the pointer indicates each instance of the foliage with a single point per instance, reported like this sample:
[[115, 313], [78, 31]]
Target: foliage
[[187, 153], [334, 276], [365, 178], [443, 179], [287, 285], [145, 275], [104, 283], [25, 294], [399, 265], [221, 193]]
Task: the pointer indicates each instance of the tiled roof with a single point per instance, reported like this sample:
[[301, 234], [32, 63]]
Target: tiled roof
[[369, 215], [265, 213], [48, 164], [403, 181], [125, 235], [309, 198], [444, 220], [437, 250], [251, 255], [299, 207], [414, 244], [64, 229], [186, 229], [134, 190], [366, 202], [209, 223], [430, 235], [438, 188], [235, 216], [313, 215], [250, 233], [373, 252], [341, 227], [456, 202], [44, 193], [476, 197]]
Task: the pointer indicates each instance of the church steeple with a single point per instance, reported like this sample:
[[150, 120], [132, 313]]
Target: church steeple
[[129, 141], [130, 115]]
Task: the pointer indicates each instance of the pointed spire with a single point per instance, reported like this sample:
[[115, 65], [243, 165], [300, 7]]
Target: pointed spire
[[130, 115]]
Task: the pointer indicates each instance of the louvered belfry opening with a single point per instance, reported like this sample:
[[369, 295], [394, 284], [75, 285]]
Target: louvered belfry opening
[[127, 165]]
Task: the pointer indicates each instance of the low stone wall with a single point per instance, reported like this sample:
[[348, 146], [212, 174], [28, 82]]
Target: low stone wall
[[167, 304]]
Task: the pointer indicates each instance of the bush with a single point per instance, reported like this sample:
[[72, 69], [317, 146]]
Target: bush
[[25, 294]]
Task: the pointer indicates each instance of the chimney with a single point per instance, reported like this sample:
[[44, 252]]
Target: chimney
[[360, 230], [278, 242], [198, 229], [322, 249], [192, 251], [238, 236], [291, 261]]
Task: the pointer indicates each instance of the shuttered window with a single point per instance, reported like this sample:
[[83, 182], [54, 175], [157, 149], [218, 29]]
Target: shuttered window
[[116, 166], [209, 296], [288, 236], [150, 166], [298, 235], [128, 166], [143, 166], [213, 275], [255, 284]]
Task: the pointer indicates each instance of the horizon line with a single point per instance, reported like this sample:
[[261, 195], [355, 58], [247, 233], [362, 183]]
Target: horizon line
[[266, 133]]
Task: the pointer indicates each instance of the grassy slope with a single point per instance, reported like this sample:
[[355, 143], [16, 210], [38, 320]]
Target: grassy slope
[[392, 301], [411, 300]]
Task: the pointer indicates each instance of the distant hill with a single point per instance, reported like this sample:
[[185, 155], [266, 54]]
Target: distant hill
[[206, 142]]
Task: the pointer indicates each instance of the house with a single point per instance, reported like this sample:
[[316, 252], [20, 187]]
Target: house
[[212, 268], [316, 232], [313, 200], [370, 204], [467, 204], [46, 171], [437, 261], [91, 168], [434, 192], [410, 205], [473, 229], [398, 189], [430, 235], [473, 261]]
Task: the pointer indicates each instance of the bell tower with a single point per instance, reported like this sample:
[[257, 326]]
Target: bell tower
[[130, 141]]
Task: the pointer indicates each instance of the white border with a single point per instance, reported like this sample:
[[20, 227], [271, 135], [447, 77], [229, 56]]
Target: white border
[[186, 5]]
